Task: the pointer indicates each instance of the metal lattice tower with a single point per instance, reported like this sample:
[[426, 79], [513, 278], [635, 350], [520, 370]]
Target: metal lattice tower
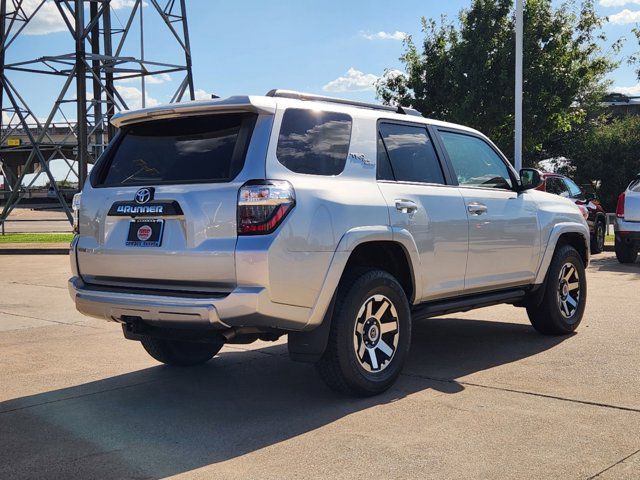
[[100, 56]]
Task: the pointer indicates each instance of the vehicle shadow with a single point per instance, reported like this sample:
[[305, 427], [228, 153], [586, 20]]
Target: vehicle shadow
[[161, 421], [610, 263]]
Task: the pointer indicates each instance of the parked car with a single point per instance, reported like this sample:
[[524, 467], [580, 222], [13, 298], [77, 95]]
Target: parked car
[[627, 223], [337, 223], [587, 202]]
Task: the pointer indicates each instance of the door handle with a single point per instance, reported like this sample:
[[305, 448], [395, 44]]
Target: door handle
[[476, 208], [406, 206]]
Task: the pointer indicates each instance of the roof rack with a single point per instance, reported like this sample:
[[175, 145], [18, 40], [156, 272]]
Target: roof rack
[[321, 98]]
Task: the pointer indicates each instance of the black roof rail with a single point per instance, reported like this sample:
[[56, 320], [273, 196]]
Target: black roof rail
[[322, 98]]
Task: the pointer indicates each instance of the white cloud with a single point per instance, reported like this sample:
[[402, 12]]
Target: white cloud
[[49, 20], [634, 90], [618, 3], [201, 94], [625, 16], [384, 35], [46, 20], [149, 80], [354, 81], [133, 97]]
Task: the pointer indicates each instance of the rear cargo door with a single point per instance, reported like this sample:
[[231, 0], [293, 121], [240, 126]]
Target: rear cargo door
[[161, 208]]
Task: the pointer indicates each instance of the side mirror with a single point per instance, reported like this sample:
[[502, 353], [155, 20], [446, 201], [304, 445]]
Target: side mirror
[[530, 178]]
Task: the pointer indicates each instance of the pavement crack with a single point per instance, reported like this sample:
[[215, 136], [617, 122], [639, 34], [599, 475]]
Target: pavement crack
[[44, 319], [526, 392], [13, 282], [615, 464]]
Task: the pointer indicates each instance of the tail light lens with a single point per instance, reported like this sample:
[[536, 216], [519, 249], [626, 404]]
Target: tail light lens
[[75, 208], [263, 205], [620, 206], [584, 211]]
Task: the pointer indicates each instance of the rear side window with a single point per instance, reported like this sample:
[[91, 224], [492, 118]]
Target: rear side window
[[181, 150], [635, 186], [574, 190], [313, 142], [556, 186], [411, 154]]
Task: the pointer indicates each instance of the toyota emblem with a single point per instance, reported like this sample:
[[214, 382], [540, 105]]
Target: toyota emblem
[[144, 195]]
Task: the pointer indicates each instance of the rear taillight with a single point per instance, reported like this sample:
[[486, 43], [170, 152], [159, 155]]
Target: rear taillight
[[75, 208], [584, 211], [620, 206], [263, 205]]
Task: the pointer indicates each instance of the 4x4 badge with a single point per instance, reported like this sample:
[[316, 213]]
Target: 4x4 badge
[[144, 195]]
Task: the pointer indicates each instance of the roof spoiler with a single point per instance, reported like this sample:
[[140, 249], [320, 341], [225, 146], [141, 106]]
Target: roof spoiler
[[321, 98]]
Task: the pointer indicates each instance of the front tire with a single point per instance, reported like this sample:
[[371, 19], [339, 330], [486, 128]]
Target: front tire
[[178, 353], [565, 295], [626, 253], [597, 240], [370, 334]]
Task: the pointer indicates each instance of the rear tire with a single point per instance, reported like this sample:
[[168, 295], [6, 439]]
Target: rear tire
[[370, 334], [597, 240], [180, 354], [565, 295], [626, 253]]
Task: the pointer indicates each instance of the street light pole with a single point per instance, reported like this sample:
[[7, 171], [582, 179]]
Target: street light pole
[[517, 154]]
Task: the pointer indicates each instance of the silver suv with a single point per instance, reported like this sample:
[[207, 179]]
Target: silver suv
[[336, 223]]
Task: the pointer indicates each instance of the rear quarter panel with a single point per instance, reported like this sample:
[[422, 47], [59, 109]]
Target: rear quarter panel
[[326, 208]]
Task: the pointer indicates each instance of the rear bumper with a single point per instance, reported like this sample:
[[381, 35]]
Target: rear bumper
[[244, 306], [627, 233], [622, 226]]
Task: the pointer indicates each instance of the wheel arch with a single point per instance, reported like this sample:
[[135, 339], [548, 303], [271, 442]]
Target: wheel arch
[[361, 246], [574, 234]]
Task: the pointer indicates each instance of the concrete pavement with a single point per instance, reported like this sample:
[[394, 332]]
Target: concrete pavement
[[482, 396]]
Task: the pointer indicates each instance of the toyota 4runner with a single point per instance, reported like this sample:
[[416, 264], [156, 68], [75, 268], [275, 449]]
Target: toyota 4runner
[[336, 223]]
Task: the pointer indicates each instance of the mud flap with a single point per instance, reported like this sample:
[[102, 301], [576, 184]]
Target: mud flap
[[309, 346]]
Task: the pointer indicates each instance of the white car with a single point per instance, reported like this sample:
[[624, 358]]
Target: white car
[[627, 224]]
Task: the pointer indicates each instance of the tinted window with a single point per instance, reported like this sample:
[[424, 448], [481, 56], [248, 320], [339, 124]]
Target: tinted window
[[196, 149], [635, 186], [475, 162], [383, 165], [556, 186], [314, 142], [574, 190], [411, 153]]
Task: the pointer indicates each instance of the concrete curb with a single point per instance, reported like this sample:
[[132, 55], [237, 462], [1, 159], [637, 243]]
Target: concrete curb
[[34, 249]]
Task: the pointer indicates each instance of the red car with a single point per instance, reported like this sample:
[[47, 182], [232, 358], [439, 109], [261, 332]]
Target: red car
[[587, 202]]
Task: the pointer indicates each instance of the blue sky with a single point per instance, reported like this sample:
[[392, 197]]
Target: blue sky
[[250, 46]]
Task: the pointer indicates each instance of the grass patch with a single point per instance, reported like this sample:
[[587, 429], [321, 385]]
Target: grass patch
[[609, 238], [36, 238]]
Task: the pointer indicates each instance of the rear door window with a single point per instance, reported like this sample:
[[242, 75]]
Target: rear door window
[[411, 155], [181, 150], [314, 142], [556, 186]]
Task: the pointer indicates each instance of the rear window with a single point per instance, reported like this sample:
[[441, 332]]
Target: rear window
[[182, 150], [314, 142]]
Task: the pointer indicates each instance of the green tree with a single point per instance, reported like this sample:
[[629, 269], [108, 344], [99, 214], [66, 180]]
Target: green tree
[[464, 72], [606, 150]]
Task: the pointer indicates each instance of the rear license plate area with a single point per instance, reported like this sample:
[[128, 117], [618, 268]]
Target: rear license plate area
[[145, 233]]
